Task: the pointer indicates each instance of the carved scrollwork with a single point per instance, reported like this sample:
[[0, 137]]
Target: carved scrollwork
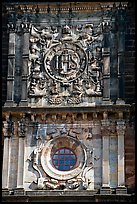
[[48, 177], [71, 66]]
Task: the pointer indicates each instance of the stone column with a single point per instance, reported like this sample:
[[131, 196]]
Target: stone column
[[6, 153], [21, 153], [105, 158], [11, 66], [121, 158], [25, 57]]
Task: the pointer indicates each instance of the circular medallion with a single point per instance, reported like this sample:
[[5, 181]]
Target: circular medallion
[[65, 62], [63, 158]]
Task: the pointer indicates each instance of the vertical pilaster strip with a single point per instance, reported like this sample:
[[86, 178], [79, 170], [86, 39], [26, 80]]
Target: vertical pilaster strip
[[106, 61], [6, 153], [105, 158], [113, 154], [11, 66], [20, 171], [105, 131], [25, 57], [97, 152], [18, 62], [121, 49], [106, 74], [113, 59], [14, 157], [121, 155]]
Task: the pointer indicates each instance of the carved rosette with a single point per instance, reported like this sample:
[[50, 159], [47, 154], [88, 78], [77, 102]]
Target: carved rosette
[[64, 68]]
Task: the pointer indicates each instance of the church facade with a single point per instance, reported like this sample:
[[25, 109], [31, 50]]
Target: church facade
[[67, 120]]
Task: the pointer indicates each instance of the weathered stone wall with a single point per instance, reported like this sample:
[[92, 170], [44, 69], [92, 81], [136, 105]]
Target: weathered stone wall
[[129, 81], [106, 128]]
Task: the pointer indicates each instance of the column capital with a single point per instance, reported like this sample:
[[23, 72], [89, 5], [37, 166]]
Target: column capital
[[25, 27], [105, 128], [22, 126], [8, 127], [11, 27], [120, 127], [5, 129], [105, 122], [105, 132]]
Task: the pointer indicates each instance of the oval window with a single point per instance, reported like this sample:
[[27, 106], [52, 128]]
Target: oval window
[[64, 159]]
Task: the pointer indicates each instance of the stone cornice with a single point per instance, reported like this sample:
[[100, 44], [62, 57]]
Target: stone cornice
[[63, 6], [101, 108]]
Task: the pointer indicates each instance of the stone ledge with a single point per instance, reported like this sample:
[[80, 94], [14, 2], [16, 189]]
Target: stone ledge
[[71, 198], [62, 193], [113, 108]]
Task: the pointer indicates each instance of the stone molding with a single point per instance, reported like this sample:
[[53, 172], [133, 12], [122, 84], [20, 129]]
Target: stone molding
[[63, 7]]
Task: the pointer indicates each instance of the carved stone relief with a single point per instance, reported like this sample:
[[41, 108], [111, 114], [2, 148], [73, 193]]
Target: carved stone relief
[[79, 177], [65, 64]]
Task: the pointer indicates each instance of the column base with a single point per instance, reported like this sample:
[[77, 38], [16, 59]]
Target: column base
[[19, 191], [9, 103], [5, 191], [23, 103], [121, 190], [105, 190], [107, 101], [120, 102]]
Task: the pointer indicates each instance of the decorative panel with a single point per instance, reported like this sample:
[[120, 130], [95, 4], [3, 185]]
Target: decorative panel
[[43, 145], [65, 65]]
